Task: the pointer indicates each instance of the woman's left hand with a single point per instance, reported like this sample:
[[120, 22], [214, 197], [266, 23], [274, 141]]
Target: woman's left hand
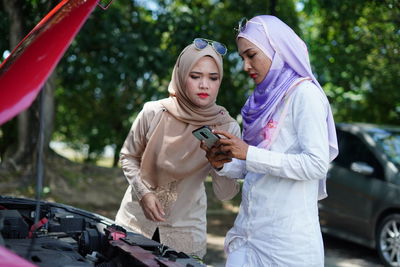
[[214, 155], [232, 145]]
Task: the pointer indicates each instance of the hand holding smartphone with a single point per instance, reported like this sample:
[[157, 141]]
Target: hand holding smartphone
[[205, 134], [215, 156]]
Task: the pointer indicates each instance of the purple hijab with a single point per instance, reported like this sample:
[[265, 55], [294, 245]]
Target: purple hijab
[[290, 61]]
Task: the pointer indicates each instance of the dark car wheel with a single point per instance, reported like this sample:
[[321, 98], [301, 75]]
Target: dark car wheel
[[388, 240]]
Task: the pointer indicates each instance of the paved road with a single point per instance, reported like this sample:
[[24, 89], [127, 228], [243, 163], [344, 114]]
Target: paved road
[[338, 253]]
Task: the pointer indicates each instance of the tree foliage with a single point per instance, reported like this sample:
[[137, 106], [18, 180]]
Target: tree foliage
[[356, 52], [124, 56], [110, 70]]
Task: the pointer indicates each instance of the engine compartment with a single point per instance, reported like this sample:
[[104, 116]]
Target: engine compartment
[[67, 236]]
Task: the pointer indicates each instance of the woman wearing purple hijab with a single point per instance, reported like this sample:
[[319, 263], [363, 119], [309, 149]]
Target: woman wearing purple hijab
[[289, 138]]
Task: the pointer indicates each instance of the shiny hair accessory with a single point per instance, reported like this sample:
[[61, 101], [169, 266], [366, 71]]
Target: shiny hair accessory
[[201, 43], [255, 32]]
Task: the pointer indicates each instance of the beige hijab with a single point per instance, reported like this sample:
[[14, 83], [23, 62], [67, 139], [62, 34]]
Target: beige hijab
[[173, 153]]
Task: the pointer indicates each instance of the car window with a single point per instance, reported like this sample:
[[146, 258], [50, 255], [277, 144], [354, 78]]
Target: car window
[[388, 142], [352, 149]]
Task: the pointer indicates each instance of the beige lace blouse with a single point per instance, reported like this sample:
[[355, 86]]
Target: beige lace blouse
[[184, 201]]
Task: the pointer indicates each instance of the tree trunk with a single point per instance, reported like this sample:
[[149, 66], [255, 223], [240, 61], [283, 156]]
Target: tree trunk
[[49, 107], [13, 8], [116, 155], [272, 7], [28, 120]]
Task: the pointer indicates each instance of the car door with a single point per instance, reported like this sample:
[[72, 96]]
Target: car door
[[351, 194]]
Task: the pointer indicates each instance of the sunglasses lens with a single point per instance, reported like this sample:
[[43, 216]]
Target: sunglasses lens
[[220, 48], [242, 24], [200, 43]]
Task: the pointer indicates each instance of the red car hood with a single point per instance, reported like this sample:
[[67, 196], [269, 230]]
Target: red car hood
[[24, 72]]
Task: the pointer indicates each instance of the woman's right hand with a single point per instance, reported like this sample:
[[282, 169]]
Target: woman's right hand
[[214, 155], [152, 208]]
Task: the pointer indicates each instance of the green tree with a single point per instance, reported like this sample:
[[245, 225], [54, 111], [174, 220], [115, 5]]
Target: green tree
[[124, 56], [355, 51], [113, 67]]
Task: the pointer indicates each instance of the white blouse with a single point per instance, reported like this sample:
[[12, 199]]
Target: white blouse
[[278, 218]]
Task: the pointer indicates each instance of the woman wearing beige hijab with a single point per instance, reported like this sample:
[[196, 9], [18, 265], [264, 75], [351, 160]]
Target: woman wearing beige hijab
[[163, 162]]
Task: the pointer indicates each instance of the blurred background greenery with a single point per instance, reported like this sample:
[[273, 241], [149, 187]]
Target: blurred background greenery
[[124, 56]]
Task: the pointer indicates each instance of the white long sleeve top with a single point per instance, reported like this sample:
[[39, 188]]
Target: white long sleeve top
[[278, 217]]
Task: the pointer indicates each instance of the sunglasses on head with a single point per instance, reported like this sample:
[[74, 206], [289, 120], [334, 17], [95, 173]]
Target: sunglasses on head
[[201, 43], [242, 24]]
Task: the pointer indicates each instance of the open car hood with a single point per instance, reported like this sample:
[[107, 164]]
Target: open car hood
[[27, 68]]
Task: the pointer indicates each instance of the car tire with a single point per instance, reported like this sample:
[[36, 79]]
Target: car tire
[[388, 240]]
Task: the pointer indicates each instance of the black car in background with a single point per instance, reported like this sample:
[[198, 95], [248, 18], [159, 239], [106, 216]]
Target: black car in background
[[363, 183]]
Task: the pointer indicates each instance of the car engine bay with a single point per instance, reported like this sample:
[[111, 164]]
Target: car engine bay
[[68, 236]]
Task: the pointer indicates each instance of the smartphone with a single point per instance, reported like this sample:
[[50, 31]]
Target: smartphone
[[205, 133]]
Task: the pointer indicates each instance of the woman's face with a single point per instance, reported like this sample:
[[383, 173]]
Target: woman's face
[[203, 82], [255, 62]]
